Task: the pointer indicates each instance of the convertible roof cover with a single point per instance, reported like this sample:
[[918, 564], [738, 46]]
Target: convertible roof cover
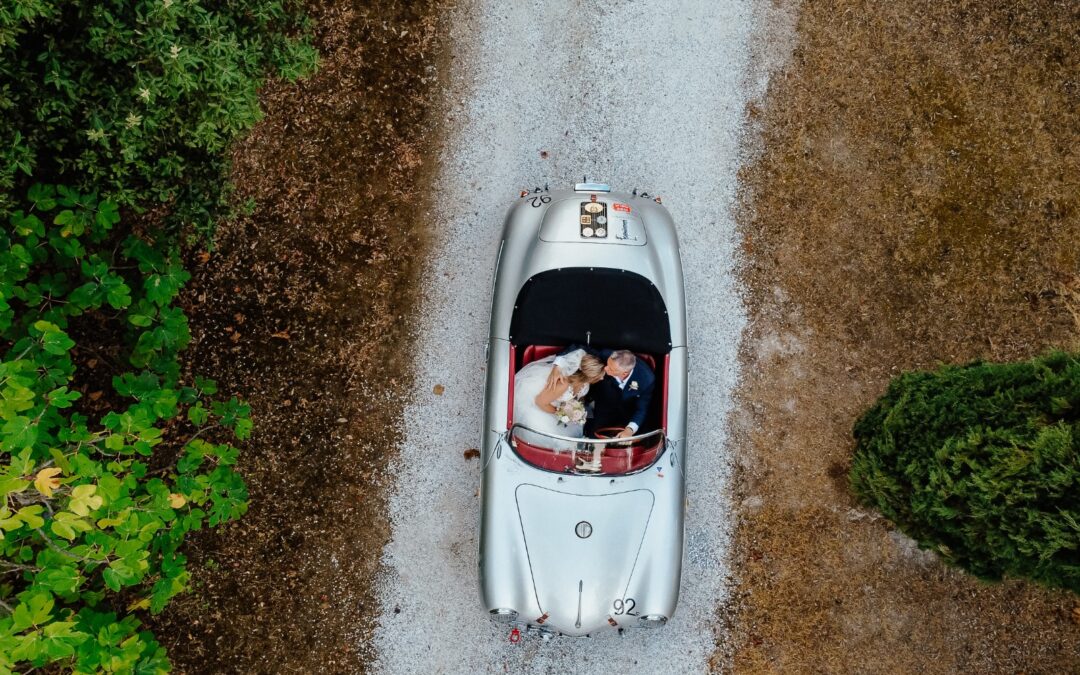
[[604, 307]]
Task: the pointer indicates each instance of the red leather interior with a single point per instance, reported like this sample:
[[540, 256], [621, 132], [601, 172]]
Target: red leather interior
[[537, 352], [613, 461]]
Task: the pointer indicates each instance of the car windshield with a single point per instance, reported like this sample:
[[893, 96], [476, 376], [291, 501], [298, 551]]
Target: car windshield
[[587, 456]]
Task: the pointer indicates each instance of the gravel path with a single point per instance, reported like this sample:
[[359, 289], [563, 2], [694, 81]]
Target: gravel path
[[637, 93]]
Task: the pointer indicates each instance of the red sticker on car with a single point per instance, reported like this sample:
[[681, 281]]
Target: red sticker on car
[[625, 208]]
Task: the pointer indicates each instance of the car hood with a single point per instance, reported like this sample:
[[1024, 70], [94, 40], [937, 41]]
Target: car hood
[[582, 551]]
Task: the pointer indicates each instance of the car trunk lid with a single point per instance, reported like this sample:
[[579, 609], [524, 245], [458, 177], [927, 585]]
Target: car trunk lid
[[582, 550]]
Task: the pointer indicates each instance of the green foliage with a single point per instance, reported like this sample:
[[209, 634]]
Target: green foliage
[[134, 104], [981, 463], [137, 100], [88, 508]]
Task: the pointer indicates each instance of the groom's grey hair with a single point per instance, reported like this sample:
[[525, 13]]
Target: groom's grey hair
[[624, 359]]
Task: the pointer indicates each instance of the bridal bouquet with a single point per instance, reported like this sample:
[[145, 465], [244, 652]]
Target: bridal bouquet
[[570, 412]]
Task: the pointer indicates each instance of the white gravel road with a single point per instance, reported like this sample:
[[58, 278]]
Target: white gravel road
[[635, 93]]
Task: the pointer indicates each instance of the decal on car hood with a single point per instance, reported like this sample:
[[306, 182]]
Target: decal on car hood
[[570, 220]]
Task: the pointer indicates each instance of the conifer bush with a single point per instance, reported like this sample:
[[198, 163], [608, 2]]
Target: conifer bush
[[981, 463]]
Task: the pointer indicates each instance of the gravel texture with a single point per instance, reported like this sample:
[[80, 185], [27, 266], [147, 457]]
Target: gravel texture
[[643, 93]]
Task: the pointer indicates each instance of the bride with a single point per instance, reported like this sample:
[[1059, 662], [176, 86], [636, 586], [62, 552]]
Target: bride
[[542, 390]]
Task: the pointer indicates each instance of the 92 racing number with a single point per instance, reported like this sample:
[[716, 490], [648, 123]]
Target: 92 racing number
[[624, 606]]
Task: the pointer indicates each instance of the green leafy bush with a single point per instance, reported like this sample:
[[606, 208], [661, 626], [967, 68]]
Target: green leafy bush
[[981, 463], [137, 100], [98, 495]]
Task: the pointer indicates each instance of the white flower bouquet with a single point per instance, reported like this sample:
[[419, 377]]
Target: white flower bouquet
[[570, 412]]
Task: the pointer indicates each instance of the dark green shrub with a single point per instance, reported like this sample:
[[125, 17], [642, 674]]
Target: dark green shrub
[[981, 463], [137, 100], [98, 497]]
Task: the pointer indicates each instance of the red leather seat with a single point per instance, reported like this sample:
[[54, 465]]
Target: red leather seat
[[537, 352]]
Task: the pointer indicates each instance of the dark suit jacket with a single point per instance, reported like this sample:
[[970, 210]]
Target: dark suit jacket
[[618, 407]]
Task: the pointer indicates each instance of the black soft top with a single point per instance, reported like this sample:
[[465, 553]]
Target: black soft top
[[602, 307]]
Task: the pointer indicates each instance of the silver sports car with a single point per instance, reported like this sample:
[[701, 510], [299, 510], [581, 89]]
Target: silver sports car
[[582, 535]]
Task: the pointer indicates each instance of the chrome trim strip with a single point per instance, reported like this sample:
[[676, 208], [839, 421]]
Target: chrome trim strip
[[592, 187], [590, 441], [580, 588]]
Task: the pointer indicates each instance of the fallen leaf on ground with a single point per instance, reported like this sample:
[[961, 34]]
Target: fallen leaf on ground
[[439, 389], [472, 453], [139, 604], [282, 334]]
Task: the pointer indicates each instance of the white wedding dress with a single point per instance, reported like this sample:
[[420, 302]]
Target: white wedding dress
[[530, 381]]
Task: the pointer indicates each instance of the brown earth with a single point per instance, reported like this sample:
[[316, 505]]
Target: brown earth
[[915, 203], [303, 311]]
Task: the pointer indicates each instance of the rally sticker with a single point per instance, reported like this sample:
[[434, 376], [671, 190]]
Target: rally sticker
[[625, 208]]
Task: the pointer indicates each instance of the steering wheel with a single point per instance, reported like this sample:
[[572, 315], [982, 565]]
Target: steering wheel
[[612, 432], [608, 432]]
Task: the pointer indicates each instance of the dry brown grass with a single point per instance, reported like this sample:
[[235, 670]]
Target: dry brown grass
[[302, 311], [916, 202]]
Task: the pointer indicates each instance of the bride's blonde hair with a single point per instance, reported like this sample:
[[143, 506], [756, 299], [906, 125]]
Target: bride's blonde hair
[[591, 370]]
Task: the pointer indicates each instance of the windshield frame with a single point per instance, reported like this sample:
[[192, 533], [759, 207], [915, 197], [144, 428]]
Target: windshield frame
[[512, 439]]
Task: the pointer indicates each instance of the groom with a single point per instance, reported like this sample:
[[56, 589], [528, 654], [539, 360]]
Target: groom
[[622, 397]]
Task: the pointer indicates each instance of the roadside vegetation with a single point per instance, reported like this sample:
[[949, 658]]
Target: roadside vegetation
[[914, 204], [140, 101], [304, 309], [981, 464], [116, 119]]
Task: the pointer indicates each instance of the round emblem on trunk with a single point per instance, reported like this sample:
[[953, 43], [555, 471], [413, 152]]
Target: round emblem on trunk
[[583, 529]]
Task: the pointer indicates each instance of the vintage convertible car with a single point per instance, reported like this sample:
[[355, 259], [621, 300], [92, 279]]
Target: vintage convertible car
[[579, 536]]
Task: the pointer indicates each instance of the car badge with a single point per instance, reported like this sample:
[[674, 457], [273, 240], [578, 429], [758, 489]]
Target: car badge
[[583, 529], [593, 219]]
